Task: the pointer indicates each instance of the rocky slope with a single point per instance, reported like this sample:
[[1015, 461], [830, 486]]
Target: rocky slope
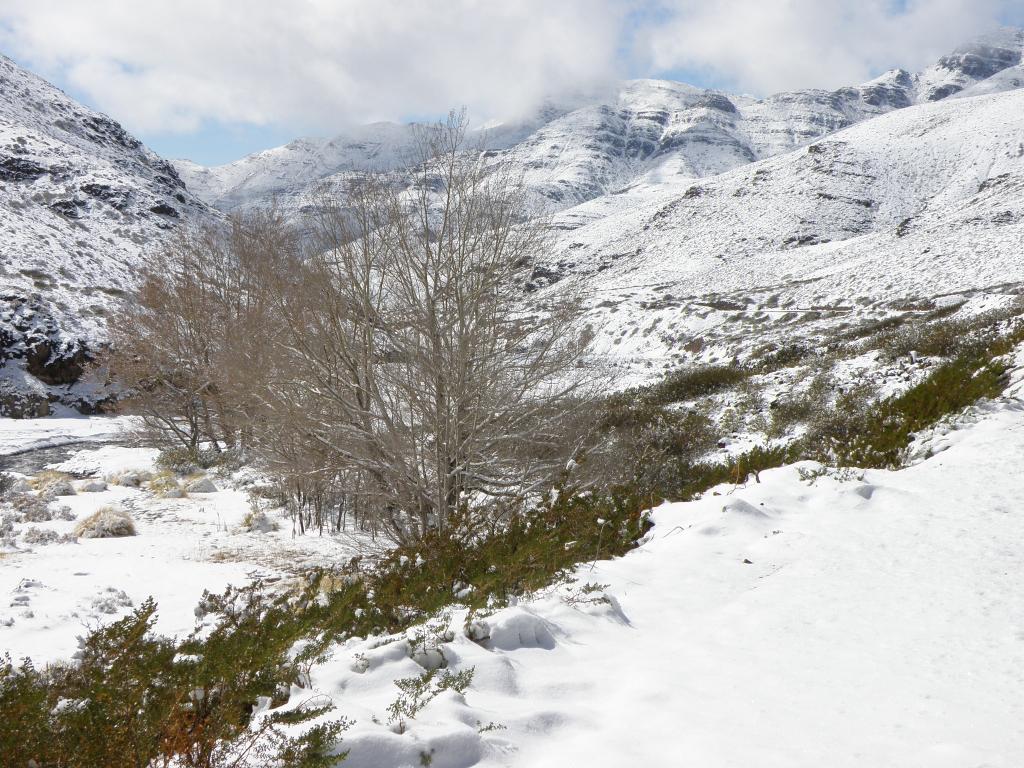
[[81, 202], [913, 209]]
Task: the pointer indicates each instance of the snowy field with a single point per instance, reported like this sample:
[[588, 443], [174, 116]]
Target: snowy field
[[19, 435], [866, 620], [53, 592], [851, 619]]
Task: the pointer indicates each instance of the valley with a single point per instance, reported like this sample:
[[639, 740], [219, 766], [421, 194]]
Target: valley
[[763, 511]]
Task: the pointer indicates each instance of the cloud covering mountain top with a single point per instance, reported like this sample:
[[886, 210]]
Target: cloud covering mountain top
[[313, 67]]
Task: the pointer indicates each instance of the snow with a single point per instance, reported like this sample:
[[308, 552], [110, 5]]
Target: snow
[[17, 435], [805, 618], [910, 206], [841, 618], [183, 546]]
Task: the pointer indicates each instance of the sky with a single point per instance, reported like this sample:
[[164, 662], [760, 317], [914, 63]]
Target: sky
[[213, 80]]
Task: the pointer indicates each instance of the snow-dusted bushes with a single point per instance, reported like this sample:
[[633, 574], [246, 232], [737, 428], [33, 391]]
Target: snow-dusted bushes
[[257, 521], [416, 692], [106, 522], [42, 536], [166, 486], [53, 484], [134, 698], [35, 508], [859, 432], [184, 461]]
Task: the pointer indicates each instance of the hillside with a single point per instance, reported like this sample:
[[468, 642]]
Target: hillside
[[712, 223], [811, 616], [81, 201], [358, 509], [908, 209], [700, 225]]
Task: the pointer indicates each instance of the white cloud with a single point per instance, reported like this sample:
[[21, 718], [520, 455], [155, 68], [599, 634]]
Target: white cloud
[[314, 64], [765, 46]]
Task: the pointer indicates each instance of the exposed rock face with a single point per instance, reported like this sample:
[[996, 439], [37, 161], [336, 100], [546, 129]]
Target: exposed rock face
[[82, 202], [56, 366], [15, 404], [981, 61], [972, 64], [893, 92], [29, 333]]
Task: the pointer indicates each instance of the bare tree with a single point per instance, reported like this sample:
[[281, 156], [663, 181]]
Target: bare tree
[[383, 366], [410, 361], [191, 347]]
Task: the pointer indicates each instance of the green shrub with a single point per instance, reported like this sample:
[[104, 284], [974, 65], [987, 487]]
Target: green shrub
[[875, 327], [642, 446], [787, 412], [182, 461], [692, 383], [135, 699], [878, 434], [786, 356]]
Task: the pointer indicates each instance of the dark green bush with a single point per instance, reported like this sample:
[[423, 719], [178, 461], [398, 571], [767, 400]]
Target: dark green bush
[[692, 383], [183, 461], [134, 699], [786, 356], [865, 434]]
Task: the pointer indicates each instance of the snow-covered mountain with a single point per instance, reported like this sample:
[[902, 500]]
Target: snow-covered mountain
[[647, 130], [919, 207], [697, 223], [700, 225], [81, 202]]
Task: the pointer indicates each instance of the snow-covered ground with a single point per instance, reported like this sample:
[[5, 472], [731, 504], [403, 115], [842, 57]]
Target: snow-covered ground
[[18, 435], [805, 619], [52, 592], [862, 620]]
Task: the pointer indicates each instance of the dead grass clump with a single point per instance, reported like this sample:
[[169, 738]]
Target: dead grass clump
[[52, 484], [106, 523], [166, 486]]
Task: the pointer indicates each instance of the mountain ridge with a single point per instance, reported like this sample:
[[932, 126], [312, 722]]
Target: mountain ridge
[[718, 200], [571, 155]]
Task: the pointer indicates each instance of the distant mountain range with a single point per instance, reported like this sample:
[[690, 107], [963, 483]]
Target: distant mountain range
[[649, 131], [698, 224]]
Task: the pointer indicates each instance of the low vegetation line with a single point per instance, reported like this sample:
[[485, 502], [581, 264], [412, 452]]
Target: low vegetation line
[[134, 698]]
